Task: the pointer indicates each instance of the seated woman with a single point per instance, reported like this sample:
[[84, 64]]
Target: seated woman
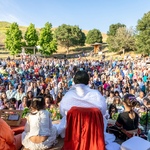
[[24, 103], [127, 122], [7, 139], [116, 106], [39, 132]]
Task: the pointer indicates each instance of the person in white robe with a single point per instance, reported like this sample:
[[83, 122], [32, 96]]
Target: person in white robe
[[82, 96]]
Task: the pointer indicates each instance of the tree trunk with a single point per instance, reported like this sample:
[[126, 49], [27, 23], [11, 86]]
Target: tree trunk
[[123, 50], [67, 50]]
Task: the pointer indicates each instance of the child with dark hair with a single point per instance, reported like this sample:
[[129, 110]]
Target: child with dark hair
[[110, 99], [39, 132], [117, 93], [115, 107], [13, 103], [127, 122]]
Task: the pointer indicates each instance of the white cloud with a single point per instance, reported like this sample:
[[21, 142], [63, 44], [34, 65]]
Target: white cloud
[[11, 18], [11, 12]]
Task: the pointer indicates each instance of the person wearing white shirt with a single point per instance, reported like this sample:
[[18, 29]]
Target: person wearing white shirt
[[11, 92], [141, 97], [82, 96]]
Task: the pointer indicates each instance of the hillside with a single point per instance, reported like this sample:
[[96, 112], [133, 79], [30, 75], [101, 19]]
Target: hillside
[[5, 25]]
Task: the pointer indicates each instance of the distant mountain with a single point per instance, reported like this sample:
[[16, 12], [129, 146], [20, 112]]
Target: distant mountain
[[5, 25]]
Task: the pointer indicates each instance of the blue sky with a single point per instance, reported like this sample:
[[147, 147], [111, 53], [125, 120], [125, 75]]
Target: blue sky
[[87, 14]]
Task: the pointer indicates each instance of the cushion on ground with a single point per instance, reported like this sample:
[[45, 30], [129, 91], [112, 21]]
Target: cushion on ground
[[135, 143]]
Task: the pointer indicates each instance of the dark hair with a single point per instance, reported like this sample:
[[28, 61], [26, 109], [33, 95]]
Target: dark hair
[[50, 98], [115, 98], [81, 77], [28, 103], [130, 100], [28, 94], [38, 103], [13, 100], [112, 92], [116, 92]]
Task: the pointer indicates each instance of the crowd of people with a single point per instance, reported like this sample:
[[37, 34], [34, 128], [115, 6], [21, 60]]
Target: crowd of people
[[123, 84]]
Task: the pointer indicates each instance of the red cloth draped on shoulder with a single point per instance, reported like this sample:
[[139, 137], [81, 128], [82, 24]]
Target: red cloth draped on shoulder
[[85, 129], [7, 140]]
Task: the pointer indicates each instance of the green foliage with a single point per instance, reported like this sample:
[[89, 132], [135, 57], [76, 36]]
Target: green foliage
[[48, 44], [78, 36], [31, 37], [94, 36], [25, 112], [111, 34], [143, 36], [13, 39], [123, 40], [143, 118], [68, 35], [113, 29], [115, 116], [55, 113]]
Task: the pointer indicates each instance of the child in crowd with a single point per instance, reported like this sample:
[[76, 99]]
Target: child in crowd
[[39, 132], [115, 107], [110, 99]]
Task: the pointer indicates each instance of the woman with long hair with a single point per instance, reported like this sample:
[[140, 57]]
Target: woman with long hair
[[29, 95], [127, 122]]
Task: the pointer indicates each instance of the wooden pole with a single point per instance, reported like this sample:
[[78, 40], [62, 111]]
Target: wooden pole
[[34, 50]]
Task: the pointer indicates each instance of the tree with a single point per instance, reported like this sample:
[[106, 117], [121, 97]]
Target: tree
[[68, 35], [31, 37], [94, 36], [13, 39], [78, 36], [143, 36], [48, 44], [124, 39], [113, 29], [111, 34]]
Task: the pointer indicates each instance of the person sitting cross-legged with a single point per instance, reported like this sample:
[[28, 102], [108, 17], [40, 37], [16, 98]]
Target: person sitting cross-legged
[[39, 132], [81, 95], [127, 122]]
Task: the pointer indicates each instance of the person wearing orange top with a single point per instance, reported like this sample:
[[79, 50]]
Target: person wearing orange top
[[7, 139], [48, 79], [31, 63]]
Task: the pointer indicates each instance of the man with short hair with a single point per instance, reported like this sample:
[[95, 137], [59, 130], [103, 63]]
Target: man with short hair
[[81, 95]]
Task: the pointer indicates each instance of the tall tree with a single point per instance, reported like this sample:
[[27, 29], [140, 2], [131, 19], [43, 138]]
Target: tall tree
[[48, 44], [143, 36], [31, 37], [13, 39], [78, 36], [111, 34], [113, 28], [123, 40], [68, 36], [94, 36]]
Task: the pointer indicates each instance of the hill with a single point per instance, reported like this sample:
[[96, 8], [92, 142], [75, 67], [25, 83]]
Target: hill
[[5, 25]]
